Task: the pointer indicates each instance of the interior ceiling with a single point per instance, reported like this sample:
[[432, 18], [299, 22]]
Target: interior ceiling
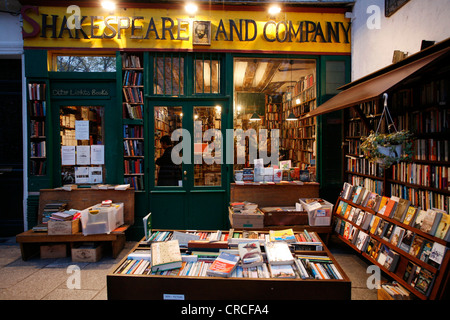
[[269, 76]]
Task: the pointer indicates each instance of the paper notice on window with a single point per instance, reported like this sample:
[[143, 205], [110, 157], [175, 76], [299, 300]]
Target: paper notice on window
[[81, 175], [95, 175], [68, 155], [82, 130], [83, 155], [98, 154]]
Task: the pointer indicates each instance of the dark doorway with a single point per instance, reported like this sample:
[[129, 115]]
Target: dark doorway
[[11, 148]]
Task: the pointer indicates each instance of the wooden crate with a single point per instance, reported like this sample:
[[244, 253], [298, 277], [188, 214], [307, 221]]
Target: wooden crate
[[238, 220], [52, 251], [274, 217], [63, 227], [87, 252]]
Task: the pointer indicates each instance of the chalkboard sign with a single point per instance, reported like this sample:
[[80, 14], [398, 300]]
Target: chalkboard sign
[[391, 6]]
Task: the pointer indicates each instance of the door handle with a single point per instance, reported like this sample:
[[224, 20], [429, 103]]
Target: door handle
[[185, 172]]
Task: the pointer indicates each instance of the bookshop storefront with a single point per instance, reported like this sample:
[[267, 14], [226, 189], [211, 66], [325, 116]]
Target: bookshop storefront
[[106, 88]]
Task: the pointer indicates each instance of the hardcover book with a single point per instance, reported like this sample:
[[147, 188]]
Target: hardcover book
[[165, 255], [442, 231]]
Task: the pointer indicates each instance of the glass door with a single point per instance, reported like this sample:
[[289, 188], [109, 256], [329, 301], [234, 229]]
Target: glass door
[[188, 181]]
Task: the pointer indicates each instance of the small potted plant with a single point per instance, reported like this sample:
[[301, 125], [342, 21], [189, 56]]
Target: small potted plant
[[388, 148]]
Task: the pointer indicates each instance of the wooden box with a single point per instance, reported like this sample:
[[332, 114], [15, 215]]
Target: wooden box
[[52, 251], [238, 220], [63, 227], [284, 216], [87, 252]]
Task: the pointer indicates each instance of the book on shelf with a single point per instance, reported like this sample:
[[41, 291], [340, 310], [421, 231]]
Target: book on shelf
[[442, 231], [147, 223], [361, 241], [420, 216], [373, 248], [407, 240], [382, 206], [388, 258], [250, 254], [401, 209], [166, 255], [410, 215], [416, 246], [391, 206], [431, 221], [397, 236], [387, 235], [278, 253], [424, 281], [437, 254], [347, 191], [316, 267], [223, 265]]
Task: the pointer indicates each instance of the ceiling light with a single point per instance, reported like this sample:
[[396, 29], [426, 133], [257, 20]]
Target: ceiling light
[[109, 5], [191, 9], [255, 117], [274, 10], [291, 117]]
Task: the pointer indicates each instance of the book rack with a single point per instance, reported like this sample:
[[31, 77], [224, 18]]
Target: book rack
[[439, 287], [159, 287], [133, 120], [37, 110]]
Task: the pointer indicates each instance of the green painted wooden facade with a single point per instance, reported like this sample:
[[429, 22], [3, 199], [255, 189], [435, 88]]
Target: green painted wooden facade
[[187, 207]]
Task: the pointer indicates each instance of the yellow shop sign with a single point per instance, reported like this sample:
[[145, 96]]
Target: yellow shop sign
[[167, 29]]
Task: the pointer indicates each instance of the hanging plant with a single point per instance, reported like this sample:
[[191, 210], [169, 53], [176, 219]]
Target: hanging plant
[[388, 148]]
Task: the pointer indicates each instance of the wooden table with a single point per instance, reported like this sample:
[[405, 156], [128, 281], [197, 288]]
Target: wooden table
[[31, 241]]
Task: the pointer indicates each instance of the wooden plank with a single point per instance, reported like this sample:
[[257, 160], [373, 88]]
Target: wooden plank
[[273, 195]]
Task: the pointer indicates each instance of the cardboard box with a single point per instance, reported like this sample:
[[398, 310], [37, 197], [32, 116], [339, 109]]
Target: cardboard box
[[63, 227], [319, 214], [238, 220], [87, 252], [53, 251]]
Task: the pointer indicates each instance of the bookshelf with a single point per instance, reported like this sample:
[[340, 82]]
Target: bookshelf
[[366, 231], [133, 120], [191, 287], [37, 109], [299, 137], [420, 105]]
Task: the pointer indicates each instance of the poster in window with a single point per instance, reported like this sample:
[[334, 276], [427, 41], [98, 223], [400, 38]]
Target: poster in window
[[83, 155], [81, 175], [82, 130], [68, 155], [202, 33], [97, 154]]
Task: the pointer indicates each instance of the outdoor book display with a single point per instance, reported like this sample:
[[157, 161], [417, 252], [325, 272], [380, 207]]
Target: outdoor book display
[[408, 243], [104, 221], [275, 264]]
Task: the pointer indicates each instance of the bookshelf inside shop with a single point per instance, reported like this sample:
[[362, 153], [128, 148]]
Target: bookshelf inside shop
[[299, 137], [133, 119], [421, 184], [37, 108], [322, 278]]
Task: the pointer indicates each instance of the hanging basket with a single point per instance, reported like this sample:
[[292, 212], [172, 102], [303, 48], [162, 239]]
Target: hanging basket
[[387, 148]]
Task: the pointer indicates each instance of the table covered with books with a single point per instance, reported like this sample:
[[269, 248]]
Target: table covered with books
[[232, 264]]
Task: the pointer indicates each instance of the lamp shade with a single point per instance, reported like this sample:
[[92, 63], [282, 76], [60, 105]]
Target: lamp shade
[[291, 117], [255, 117]]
